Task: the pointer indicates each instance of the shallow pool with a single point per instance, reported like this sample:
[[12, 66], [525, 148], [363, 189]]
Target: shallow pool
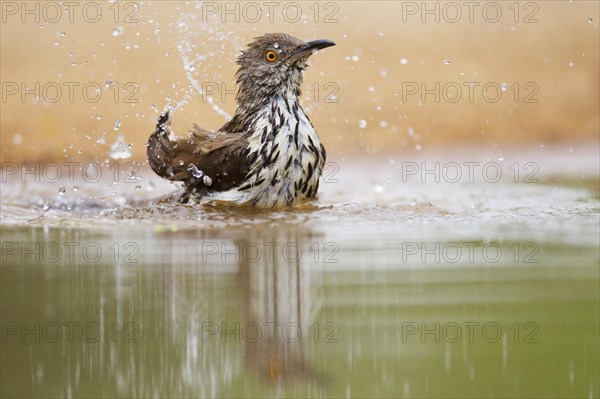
[[392, 284]]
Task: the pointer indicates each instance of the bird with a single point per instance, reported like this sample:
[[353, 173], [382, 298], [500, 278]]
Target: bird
[[268, 155]]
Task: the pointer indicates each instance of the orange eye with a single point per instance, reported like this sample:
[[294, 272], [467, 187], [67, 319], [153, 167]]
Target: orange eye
[[271, 56]]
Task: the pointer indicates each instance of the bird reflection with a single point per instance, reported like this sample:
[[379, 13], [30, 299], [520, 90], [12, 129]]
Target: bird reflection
[[277, 306]]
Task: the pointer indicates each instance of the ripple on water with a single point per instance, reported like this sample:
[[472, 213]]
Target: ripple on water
[[430, 211]]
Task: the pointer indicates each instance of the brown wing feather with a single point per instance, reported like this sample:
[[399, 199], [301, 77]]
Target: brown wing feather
[[221, 156]]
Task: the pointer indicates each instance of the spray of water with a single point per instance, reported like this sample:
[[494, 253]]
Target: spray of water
[[188, 31]]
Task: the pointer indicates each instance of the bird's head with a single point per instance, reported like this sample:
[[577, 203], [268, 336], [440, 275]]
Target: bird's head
[[274, 63]]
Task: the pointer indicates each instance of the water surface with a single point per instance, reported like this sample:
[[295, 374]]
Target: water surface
[[385, 286]]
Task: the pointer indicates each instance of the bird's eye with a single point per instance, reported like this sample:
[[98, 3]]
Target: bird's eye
[[271, 56]]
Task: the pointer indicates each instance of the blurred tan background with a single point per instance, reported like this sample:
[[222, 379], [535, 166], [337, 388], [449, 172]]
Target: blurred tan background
[[544, 54]]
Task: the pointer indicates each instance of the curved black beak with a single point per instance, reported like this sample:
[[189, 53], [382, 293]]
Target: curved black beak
[[309, 49]]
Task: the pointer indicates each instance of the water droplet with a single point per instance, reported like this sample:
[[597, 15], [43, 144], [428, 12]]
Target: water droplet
[[101, 140], [149, 186], [418, 147], [503, 86], [379, 188], [17, 138], [62, 190], [383, 72], [46, 206], [355, 58], [207, 180], [571, 64], [403, 61], [75, 188], [447, 62], [109, 83], [138, 188], [63, 34], [181, 162], [362, 123], [371, 89], [117, 125], [500, 157], [195, 172], [590, 20], [118, 31], [120, 150], [345, 34], [383, 124]]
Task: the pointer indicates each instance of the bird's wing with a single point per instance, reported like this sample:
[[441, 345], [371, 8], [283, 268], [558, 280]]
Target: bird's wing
[[223, 157]]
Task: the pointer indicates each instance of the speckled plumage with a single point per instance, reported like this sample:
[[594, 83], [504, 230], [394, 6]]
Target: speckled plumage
[[269, 154]]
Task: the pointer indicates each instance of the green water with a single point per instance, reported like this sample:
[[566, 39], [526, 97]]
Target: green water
[[448, 296]]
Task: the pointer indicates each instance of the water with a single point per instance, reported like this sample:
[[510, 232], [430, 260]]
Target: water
[[464, 289]]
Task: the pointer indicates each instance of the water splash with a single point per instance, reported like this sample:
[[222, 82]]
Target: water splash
[[191, 57], [195, 171], [120, 150]]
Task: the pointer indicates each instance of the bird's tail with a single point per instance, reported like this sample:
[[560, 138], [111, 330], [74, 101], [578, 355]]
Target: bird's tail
[[160, 148]]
